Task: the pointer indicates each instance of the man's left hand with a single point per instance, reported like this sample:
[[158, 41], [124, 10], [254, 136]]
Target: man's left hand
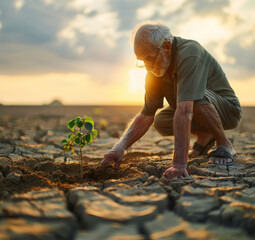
[[173, 172]]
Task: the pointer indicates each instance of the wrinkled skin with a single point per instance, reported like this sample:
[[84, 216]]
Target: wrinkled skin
[[173, 172], [113, 155]]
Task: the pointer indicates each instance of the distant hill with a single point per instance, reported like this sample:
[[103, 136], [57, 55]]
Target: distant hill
[[56, 103]]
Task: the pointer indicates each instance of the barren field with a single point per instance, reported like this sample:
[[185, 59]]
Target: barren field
[[39, 185]]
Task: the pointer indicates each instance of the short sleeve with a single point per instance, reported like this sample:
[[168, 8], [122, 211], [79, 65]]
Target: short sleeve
[[192, 79], [153, 95]]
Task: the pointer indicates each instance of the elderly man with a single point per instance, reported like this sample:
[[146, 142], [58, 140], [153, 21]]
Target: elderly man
[[200, 99]]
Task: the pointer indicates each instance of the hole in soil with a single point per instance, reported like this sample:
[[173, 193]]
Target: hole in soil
[[34, 174], [102, 173]]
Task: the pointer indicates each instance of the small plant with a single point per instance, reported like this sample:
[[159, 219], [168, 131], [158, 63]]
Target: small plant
[[77, 137]]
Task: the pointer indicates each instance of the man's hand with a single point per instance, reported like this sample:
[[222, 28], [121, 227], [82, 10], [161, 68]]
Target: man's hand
[[173, 172], [136, 130], [113, 155]]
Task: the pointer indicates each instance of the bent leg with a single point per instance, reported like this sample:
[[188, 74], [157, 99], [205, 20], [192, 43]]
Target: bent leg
[[209, 121], [163, 121], [210, 125], [228, 112]]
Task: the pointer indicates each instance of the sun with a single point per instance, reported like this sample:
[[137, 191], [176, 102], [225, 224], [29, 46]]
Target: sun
[[136, 80]]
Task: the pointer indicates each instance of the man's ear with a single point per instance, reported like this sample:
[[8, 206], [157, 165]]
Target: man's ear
[[167, 46]]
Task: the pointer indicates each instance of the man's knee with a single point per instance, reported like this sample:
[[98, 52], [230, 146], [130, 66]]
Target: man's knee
[[158, 123], [234, 119], [163, 125], [232, 124]]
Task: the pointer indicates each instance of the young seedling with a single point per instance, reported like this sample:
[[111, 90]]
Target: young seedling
[[79, 138]]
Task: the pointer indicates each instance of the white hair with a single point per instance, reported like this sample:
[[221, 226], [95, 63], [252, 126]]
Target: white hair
[[157, 33]]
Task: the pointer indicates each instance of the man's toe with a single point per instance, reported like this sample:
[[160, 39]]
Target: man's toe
[[229, 160], [220, 161], [224, 161]]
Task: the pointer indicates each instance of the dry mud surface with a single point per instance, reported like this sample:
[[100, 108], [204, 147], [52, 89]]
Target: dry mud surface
[[44, 196]]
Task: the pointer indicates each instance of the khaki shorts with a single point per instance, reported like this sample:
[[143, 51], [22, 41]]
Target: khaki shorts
[[229, 110]]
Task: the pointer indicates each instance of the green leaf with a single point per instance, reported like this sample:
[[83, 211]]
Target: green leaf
[[77, 137], [88, 126], [88, 138], [69, 136], [79, 134], [71, 124], [79, 123], [83, 143], [64, 141], [95, 133], [89, 120]]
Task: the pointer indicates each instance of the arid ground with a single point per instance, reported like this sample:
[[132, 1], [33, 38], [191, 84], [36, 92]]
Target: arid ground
[[214, 202]]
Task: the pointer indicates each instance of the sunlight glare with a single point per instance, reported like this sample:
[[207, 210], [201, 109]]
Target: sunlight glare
[[136, 80], [18, 4], [205, 30]]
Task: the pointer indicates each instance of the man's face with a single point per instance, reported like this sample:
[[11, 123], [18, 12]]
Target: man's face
[[156, 60]]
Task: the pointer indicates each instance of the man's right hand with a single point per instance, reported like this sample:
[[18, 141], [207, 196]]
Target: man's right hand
[[136, 130], [113, 155]]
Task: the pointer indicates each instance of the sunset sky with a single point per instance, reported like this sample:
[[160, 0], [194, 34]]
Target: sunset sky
[[78, 51]]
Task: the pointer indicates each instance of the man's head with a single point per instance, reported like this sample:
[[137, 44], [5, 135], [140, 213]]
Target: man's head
[[153, 45]]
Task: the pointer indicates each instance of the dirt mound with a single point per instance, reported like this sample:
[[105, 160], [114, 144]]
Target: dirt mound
[[28, 174]]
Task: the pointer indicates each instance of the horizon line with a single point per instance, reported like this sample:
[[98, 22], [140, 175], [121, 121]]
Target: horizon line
[[83, 105]]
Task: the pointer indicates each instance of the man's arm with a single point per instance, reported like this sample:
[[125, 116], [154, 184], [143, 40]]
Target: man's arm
[[135, 131], [182, 129]]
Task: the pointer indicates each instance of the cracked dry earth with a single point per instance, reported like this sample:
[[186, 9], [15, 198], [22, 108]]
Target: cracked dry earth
[[42, 195]]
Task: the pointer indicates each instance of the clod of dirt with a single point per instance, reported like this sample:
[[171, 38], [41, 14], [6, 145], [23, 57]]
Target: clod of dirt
[[102, 173], [46, 166], [32, 174], [13, 177]]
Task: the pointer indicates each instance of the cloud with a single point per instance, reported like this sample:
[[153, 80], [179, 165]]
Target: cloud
[[225, 28], [32, 24], [126, 11], [53, 36], [242, 49], [18, 4], [92, 37], [159, 9], [102, 25], [205, 8], [96, 19]]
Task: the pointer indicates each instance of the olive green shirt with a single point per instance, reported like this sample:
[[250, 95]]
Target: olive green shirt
[[194, 71]]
